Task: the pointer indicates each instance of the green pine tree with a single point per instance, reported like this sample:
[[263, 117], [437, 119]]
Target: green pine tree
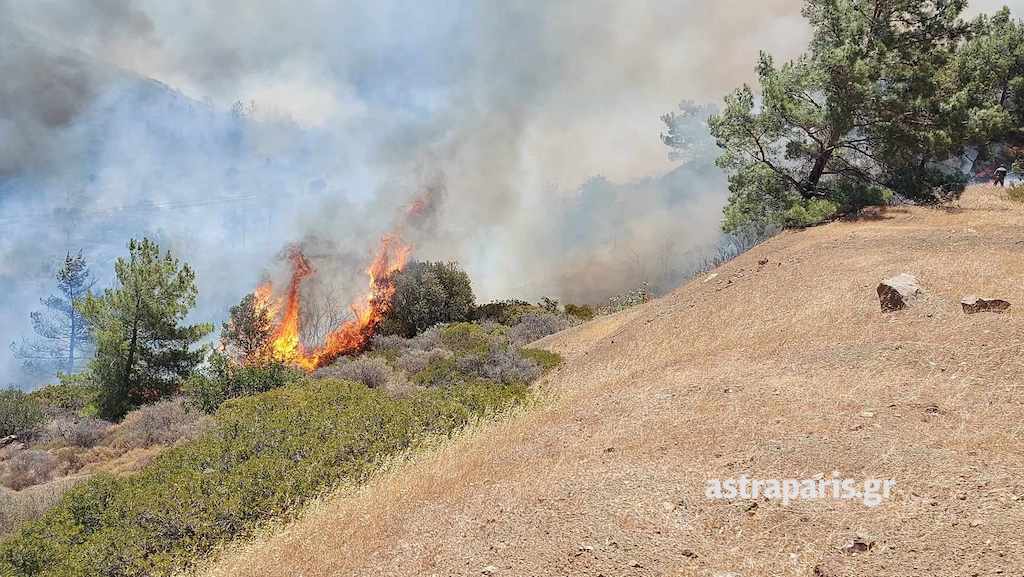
[[858, 116], [143, 352]]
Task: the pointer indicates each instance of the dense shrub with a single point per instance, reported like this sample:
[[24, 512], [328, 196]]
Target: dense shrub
[[425, 341], [637, 296], [500, 363], [267, 455], [440, 372], [810, 213], [19, 413], [225, 379], [374, 372], [74, 395], [466, 338], [413, 361], [28, 467], [69, 430], [162, 423], [546, 360], [428, 293], [18, 508], [536, 326], [581, 312], [507, 312]]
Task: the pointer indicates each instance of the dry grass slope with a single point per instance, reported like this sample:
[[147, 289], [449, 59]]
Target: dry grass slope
[[777, 370]]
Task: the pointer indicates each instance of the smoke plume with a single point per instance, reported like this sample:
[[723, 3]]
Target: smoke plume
[[227, 131]]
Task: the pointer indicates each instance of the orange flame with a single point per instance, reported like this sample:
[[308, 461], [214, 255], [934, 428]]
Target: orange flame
[[352, 336]]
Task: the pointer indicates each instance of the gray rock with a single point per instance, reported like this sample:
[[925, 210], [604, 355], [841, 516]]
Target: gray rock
[[894, 294], [858, 544], [974, 305]]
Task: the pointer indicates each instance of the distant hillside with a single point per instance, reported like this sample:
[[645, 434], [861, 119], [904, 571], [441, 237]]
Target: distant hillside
[[777, 365]]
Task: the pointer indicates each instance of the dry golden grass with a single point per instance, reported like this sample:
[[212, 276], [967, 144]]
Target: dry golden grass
[[20, 507], [779, 365]]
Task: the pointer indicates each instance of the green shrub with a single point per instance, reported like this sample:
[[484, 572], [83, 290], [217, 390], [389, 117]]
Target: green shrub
[[635, 297], [224, 379], [19, 413], [267, 455], [426, 294], [507, 312], [546, 360], [465, 338], [439, 372], [75, 395], [582, 312], [810, 213]]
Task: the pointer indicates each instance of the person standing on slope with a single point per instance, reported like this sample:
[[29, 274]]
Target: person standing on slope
[[1000, 178]]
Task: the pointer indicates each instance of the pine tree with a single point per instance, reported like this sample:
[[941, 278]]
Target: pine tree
[[62, 342], [859, 116], [143, 352]]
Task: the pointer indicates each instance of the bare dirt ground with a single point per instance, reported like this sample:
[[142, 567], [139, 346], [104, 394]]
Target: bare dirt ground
[[779, 365]]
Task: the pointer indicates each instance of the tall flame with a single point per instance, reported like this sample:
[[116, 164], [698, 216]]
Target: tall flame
[[353, 335]]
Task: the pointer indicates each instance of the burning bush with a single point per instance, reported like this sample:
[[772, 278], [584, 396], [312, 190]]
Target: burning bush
[[354, 335]]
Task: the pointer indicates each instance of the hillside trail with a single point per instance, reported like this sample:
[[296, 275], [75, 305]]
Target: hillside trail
[[778, 365]]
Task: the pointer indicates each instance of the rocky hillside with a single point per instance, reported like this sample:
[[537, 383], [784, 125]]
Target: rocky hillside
[[778, 365]]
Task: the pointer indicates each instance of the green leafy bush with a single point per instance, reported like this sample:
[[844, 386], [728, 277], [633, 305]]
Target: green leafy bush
[[810, 212], [19, 413], [426, 294], [507, 312], [465, 338], [74, 395], [582, 312], [439, 372], [224, 379], [267, 455], [546, 360]]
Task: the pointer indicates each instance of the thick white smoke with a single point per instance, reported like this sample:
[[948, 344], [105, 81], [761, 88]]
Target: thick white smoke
[[118, 119]]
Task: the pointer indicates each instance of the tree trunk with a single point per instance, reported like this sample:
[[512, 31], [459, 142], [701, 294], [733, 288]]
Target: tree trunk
[[819, 168], [132, 344], [74, 337]]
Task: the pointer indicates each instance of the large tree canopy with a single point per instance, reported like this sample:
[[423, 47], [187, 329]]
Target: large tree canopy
[[987, 78], [859, 116]]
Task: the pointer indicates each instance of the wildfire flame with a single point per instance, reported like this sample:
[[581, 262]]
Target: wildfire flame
[[352, 336]]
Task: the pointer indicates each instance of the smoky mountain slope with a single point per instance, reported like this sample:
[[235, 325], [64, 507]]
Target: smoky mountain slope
[[777, 365]]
